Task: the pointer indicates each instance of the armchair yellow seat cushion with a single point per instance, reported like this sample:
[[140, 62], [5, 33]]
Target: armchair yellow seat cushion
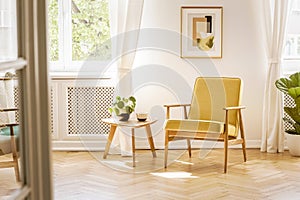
[[198, 126], [5, 140], [6, 131], [5, 146]]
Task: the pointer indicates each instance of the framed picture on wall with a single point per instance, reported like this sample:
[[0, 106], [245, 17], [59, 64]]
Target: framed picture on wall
[[201, 32]]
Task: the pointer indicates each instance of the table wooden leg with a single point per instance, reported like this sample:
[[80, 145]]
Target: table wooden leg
[[150, 140], [133, 147], [109, 140]]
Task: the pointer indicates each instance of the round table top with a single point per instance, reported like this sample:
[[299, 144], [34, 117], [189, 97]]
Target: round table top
[[130, 123]]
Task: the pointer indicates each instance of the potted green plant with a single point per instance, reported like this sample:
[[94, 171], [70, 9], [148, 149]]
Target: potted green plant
[[123, 107], [291, 86]]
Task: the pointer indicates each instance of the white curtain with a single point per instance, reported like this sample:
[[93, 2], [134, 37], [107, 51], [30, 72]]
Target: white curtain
[[276, 12], [125, 20]]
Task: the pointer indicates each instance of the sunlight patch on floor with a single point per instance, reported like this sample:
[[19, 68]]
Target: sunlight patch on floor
[[183, 162], [123, 164], [174, 175]]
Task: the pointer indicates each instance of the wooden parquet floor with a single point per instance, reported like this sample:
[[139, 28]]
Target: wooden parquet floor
[[85, 176]]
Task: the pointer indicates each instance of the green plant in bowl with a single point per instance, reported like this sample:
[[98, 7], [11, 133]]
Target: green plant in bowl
[[122, 107], [291, 87]]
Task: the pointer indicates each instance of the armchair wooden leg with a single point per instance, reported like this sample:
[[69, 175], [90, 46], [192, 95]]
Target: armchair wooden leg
[[225, 155], [243, 136], [133, 147], [244, 150], [166, 148], [14, 153], [226, 142], [16, 167], [189, 147]]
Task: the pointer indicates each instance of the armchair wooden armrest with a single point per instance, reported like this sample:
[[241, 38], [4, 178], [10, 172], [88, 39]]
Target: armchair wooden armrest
[[176, 105], [235, 108], [8, 125], [168, 106], [8, 109]]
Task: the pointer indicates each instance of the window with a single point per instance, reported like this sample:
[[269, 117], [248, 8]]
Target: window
[[79, 34], [291, 52], [8, 32]]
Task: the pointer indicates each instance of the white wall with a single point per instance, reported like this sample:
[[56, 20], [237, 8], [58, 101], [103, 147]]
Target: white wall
[[243, 56]]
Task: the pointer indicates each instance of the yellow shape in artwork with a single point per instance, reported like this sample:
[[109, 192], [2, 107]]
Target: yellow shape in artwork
[[205, 43]]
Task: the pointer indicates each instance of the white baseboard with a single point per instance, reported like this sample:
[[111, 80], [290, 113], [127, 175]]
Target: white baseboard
[[100, 145]]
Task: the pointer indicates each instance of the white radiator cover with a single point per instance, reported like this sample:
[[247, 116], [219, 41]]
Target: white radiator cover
[[77, 107]]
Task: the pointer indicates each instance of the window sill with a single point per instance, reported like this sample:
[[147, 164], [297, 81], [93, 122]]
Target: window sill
[[78, 75], [290, 66]]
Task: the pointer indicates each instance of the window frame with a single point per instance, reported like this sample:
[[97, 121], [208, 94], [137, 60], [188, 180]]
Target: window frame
[[291, 64], [65, 63]]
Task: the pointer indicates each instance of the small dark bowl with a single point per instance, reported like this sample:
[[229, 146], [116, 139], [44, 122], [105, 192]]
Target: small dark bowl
[[142, 119]]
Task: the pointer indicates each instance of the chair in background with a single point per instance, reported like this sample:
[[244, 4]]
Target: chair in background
[[8, 127], [214, 115]]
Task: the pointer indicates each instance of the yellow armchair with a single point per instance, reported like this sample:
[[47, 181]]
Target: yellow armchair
[[214, 115]]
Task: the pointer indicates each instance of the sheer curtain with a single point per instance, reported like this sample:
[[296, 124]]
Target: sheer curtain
[[125, 20], [276, 12]]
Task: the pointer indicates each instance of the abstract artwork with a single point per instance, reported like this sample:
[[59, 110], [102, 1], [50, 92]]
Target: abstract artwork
[[201, 32]]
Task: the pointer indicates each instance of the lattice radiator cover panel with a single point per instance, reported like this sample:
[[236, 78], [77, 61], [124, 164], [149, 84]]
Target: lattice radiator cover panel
[[17, 98], [288, 101], [52, 111], [17, 102], [86, 107]]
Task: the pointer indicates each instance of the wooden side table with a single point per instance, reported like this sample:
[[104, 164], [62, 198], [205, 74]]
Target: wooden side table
[[114, 123]]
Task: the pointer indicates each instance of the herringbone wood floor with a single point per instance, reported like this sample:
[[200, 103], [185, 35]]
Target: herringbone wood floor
[[84, 176]]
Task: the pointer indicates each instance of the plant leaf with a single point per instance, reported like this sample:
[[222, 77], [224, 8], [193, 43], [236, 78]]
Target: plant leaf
[[121, 104], [294, 92], [132, 99], [117, 111], [293, 113], [295, 80], [297, 127], [283, 84], [127, 108]]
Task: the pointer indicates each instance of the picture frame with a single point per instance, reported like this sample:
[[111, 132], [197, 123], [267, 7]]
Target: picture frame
[[201, 32]]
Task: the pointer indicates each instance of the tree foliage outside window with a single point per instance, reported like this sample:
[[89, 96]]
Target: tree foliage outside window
[[53, 29], [88, 29]]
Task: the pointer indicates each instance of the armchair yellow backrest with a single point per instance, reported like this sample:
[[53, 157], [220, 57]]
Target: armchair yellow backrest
[[211, 95]]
